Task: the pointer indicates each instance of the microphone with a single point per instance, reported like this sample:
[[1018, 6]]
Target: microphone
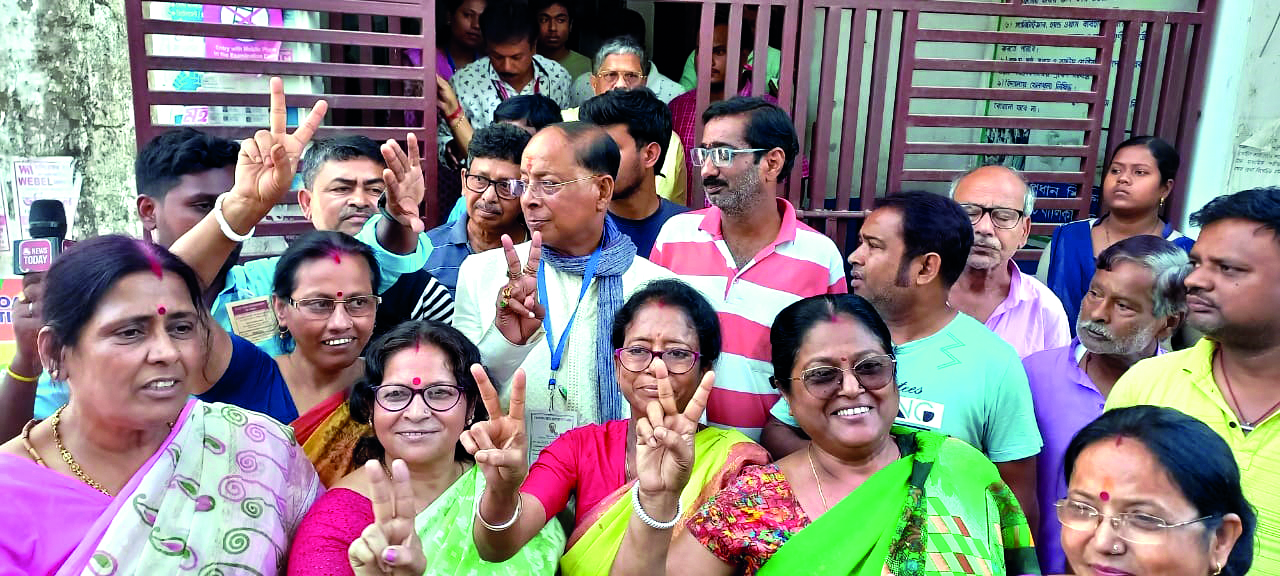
[[47, 221]]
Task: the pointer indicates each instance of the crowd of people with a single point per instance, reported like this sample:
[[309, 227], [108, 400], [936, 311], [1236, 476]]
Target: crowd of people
[[578, 374]]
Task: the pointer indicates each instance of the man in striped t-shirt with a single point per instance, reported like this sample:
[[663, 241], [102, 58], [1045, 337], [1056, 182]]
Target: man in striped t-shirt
[[748, 254]]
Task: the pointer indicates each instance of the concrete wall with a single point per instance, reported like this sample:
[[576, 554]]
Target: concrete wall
[[64, 91]]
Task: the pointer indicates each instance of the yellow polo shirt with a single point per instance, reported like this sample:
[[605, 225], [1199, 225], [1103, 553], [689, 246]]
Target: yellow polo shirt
[[671, 183], [1183, 380]]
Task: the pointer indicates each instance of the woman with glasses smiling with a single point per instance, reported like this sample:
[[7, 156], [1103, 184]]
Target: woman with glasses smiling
[[1154, 491], [629, 486], [325, 303], [410, 510], [865, 497]]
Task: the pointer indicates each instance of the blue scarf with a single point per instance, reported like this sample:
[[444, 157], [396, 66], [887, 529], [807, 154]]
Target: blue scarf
[[617, 253]]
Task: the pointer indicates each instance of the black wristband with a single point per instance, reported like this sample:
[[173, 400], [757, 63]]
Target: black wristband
[[382, 209]]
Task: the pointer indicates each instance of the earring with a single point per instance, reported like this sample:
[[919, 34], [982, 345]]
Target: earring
[[284, 330], [1217, 568]]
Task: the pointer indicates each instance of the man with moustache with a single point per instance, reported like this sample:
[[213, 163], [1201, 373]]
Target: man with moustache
[[1135, 300], [641, 126], [1017, 307], [954, 375], [1231, 378], [492, 208], [547, 306], [748, 253]]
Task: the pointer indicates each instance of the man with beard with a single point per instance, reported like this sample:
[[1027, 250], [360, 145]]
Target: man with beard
[[1017, 307], [1231, 378], [546, 306], [492, 208], [1135, 300], [641, 126], [954, 375], [748, 253]]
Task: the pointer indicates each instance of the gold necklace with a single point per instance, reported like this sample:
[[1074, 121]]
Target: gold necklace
[[71, 461], [817, 481]]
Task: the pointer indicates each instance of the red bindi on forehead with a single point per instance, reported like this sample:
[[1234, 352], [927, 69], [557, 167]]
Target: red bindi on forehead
[[417, 380], [339, 293], [161, 311]]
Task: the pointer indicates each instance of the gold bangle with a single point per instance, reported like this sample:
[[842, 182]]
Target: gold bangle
[[20, 377]]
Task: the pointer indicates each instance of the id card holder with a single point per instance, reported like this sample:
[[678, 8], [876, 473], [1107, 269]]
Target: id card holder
[[253, 319], [544, 426]]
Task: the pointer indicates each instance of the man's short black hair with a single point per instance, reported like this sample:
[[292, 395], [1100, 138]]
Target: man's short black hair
[[500, 141], [537, 110], [932, 223], [768, 127], [507, 21], [176, 153], [537, 6], [338, 149], [1261, 205], [647, 118], [594, 149]]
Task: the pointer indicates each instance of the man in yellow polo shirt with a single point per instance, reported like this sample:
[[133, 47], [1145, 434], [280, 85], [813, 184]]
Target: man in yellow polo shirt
[[1231, 378]]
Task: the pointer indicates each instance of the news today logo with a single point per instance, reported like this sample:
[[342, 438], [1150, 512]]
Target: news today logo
[[36, 255]]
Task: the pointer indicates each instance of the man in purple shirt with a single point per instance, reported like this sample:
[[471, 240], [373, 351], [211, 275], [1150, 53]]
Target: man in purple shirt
[[1017, 307], [1135, 300]]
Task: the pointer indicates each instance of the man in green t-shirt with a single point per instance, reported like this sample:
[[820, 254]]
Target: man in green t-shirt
[[954, 375]]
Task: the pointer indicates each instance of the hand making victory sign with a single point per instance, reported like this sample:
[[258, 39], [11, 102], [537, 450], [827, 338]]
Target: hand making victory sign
[[268, 161], [519, 312], [405, 183], [664, 437], [389, 546], [499, 443]]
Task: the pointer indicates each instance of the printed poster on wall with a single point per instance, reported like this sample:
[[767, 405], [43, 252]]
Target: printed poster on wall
[[242, 49], [52, 177]]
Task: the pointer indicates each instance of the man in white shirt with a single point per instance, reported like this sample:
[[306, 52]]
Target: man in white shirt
[[526, 307]]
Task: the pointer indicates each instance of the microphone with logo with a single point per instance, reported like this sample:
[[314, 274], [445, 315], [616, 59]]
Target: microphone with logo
[[48, 226]]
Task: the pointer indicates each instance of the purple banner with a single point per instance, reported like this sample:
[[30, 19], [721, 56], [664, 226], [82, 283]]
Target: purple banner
[[233, 49]]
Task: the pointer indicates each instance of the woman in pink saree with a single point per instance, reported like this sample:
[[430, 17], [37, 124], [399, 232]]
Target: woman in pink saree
[[133, 476]]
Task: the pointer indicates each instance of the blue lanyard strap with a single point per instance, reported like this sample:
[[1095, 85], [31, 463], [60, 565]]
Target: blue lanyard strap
[[557, 351]]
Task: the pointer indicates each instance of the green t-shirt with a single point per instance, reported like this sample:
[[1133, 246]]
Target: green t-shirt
[[965, 382]]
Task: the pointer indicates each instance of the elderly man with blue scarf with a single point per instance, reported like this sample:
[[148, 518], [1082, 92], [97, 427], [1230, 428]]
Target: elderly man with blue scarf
[[547, 305]]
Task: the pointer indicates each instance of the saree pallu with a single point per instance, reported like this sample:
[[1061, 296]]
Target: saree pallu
[[445, 530], [223, 494], [329, 436], [941, 509], [718, 456]]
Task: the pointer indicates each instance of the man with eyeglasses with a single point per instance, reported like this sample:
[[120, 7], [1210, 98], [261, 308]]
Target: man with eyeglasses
[[547, 306], [621, 64], [1016, 306], [955, 376], [492, 208], [641, 126], [748, 254]]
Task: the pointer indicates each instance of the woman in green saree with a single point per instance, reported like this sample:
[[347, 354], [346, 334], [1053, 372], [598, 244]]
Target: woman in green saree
[[866, 497]]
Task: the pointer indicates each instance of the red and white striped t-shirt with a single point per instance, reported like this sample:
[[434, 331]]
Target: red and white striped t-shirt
[[801, 262]]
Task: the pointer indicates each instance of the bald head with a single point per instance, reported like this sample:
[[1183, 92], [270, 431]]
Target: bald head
[[570, 168], [593, 148], [999, 203]]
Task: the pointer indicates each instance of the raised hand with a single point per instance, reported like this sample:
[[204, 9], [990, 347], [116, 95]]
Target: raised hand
[[519, 312], [664, 437], [27, 320], [268, 161], [446, 98], [390, 545], [405, 184], [499, 443]]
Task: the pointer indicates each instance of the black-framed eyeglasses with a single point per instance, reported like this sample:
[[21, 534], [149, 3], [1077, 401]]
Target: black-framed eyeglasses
[[1001, 217], [397, 397], [612, 76], [322, 308], [542, 188], [503, 188], [1135, 527], [637, 358], [872, 373], [721, 156]]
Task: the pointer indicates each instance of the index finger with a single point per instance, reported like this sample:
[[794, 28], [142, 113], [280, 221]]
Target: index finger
[[402, 488], [513, 259], [488, 394], [380, 492], [535, 251], [394, 157], [698, 404], [667, 397], [279, 115]]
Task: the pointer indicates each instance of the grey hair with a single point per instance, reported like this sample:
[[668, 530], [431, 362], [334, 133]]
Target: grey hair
[[1169, 266], [621, 45], [1028, 195]]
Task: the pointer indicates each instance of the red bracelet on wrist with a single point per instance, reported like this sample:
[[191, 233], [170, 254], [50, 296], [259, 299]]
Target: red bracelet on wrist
[[454, 116]]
